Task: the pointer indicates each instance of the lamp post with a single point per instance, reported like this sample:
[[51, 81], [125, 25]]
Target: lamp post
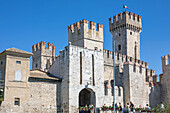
[[114, 73]]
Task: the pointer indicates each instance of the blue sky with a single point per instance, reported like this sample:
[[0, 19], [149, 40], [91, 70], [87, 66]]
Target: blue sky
[[27, 22]]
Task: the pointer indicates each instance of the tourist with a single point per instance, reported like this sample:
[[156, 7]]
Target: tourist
[[91, 107], [125, 109], [131, 106], [86, 108], [147, 106], [120, 108]]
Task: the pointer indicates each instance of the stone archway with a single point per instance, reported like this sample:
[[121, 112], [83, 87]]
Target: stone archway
[[87, 96]]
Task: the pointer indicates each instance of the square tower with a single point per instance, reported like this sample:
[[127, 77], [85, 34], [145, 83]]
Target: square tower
[[43, 57], [126, 33], [82, 36]]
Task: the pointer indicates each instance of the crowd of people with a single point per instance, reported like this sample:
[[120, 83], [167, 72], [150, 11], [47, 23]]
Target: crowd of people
[[128, 108], [87, 109]]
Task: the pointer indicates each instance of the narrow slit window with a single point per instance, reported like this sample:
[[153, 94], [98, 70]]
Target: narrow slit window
[[119, 92], [93, 70], [106, 87], [134, 68], [80, 67], [112, 91]]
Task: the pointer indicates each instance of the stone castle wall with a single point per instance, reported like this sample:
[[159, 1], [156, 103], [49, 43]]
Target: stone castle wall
[[165, 78]]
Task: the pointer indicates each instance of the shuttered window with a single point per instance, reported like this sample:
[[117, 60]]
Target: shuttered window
[[18, 75]]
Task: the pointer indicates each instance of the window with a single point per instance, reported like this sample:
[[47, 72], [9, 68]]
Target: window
[[111, 82], [80, 67], [134, 68], [1, 62], [18, 62], [95, 48], [119, 92], [130, 33], [119, 34], [17, 102], [140, 69], [93, 70], [0, 75], [105, 87], [36, 65], [18, 75], [119, 47]]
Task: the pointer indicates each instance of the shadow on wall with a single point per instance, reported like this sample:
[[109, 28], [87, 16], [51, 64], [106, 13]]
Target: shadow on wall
[[155, 96]]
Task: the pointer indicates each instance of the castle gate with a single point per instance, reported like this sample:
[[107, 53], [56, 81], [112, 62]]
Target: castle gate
[[87, 96]]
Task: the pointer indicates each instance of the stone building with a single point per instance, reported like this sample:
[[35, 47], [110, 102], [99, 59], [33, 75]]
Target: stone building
[[165, 78], [82, 73]]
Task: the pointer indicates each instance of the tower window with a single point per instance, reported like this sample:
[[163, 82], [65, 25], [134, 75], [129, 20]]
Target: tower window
[[18, 62], [119, 47], [105, 87], [130, 33], [119, 92], [112, 91], [17, 102], [36, 65]]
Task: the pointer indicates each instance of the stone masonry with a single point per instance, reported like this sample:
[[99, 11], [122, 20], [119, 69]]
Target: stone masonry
[[82, 74]]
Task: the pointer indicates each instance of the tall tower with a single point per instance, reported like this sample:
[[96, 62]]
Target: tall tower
[[126, 33], [43, 57], [82, 36]]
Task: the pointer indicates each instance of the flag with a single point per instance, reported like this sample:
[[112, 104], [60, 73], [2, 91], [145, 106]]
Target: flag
[[124, 6]]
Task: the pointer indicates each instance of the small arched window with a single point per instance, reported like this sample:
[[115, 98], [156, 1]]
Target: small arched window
[[119, 47], [36, 65]]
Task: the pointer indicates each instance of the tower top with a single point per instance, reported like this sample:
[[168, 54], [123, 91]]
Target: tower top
[[86, 35], [126, 20]]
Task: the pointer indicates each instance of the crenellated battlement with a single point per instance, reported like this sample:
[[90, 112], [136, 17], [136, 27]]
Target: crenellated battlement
[[126, 20], [84, 30], [42, 47], [165, 60], [108, 55]]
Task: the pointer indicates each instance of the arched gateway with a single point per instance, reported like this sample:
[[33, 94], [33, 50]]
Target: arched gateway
[[87, 96]]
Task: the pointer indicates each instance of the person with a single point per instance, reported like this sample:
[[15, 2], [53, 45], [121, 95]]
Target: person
[[126, 109], [131, 106], [116, 105], [147, 106], [86, 108], [162, 107], [91, 108], [120, 108]]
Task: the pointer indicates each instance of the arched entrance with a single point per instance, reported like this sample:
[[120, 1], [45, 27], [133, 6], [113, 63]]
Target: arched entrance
[[87, 96]]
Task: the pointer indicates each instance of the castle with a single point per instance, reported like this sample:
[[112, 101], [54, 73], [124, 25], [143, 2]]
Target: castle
[[83, 72]]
